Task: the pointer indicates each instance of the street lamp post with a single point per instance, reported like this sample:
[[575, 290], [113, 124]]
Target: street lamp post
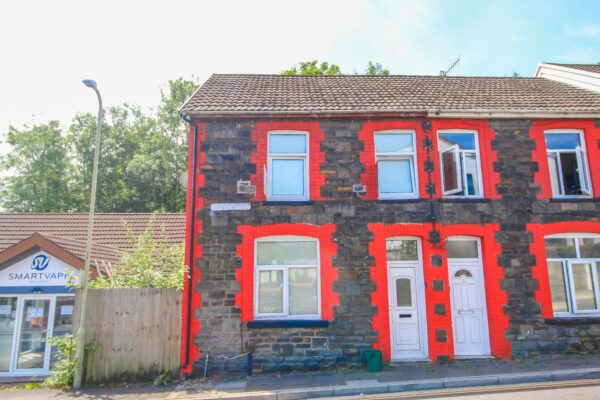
[[79, 350]]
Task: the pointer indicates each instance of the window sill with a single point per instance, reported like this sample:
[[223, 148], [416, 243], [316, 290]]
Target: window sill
[[464, 200], [401, 200], [288, 203], [288, 323], [573, 320], [582, 199]]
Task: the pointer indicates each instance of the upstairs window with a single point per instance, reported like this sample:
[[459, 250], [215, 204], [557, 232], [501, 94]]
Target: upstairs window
[[567, 162], [573, 268], [396, 159], [460, 165], [286, 172], [287, 278]]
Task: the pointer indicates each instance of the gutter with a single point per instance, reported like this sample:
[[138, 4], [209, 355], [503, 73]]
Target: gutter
[[374, 114], [188, 327]]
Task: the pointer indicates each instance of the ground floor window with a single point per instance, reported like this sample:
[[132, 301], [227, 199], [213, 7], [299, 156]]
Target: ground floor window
[[573, 267], [287, 277], [26, 322]]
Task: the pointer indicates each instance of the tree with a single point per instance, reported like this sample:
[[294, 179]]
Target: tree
[[37, 170], [313, 68], [515, 75], [152, 263], [141, 159], [375, 69]]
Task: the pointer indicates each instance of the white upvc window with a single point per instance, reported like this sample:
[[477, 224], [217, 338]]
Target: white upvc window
[[287, 278], [286, 173], [573, 267], [460, 163], [567, 163], [396, 158]]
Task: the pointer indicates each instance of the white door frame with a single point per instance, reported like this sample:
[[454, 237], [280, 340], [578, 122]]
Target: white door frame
[[21, 297], [420, 301], [478, 264]]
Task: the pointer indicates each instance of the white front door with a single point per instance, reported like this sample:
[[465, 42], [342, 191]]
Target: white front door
[[469, 316], [407, 326]]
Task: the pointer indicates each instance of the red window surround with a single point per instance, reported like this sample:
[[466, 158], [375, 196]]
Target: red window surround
[[487, 156], [493, 274], [537, 247], [245, 275], [316, 156], [192, 214], [539, 155], [367, 156]]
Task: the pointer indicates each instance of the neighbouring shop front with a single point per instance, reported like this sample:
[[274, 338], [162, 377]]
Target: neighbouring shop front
[[35, 304]]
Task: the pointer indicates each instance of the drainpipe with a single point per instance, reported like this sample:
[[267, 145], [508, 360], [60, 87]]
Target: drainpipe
[[192, 239]]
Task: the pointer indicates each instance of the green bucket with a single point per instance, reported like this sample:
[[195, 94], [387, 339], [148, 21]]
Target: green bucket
[[374, 360]]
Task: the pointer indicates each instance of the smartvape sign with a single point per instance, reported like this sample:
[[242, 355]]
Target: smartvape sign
[[41, 269]]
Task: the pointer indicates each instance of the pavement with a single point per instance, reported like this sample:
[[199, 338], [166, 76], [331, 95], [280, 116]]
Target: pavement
[[394, 378]]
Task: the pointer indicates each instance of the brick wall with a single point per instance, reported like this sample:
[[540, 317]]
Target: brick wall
[[234, 151]]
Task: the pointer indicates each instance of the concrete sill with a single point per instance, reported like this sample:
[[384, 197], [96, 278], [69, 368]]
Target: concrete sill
[[287, 203], [464, 200], [288, 323], [400, 201], [573, 321], [575, 200]]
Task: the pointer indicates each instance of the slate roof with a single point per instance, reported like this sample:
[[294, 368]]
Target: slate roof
[[595, 68], [297, 94], [69, 230]]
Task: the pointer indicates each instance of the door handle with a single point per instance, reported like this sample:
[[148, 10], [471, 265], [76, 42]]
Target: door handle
[[466, 312], [405, 315]]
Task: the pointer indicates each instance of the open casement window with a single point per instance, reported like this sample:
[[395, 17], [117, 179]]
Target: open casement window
[[286, 173], [567, 164], [451, 172], [573, 268], [396, 159], [460, 166], [287, 278]]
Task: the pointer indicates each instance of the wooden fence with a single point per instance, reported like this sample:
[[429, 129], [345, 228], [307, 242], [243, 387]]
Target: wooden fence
[[135, 333]]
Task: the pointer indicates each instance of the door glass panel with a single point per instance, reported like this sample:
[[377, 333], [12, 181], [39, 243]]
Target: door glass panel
[[462, 249], [395, 176], [403, 292], [558, 287], [8, 314], [63, 322], [560, 248], [34, 327], [288, 177], [270, 292], [589, 247], [287, 253], [303, 291], [463, 272], [584, 286], [402, 250]]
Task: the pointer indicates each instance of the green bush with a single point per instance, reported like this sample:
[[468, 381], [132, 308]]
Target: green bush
[[63, 370]]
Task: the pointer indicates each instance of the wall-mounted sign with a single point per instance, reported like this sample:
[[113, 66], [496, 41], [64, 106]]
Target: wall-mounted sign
[[40, 269], [229, 206]]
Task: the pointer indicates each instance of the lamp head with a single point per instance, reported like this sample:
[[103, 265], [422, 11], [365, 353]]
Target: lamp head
[[90, 83]]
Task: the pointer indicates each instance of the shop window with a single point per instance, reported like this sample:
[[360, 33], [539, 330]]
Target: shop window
[[286, 173], [573, 268], [287, 278], [460, 164], [567, 164], [396, 159]]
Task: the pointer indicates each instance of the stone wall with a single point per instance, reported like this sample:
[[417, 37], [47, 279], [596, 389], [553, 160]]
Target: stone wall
[[228, 147]]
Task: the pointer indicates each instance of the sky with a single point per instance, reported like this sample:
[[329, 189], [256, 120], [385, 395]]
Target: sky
[[133, 47]]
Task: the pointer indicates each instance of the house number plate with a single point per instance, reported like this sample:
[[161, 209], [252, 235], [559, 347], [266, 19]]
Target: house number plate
[[229, 206]]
